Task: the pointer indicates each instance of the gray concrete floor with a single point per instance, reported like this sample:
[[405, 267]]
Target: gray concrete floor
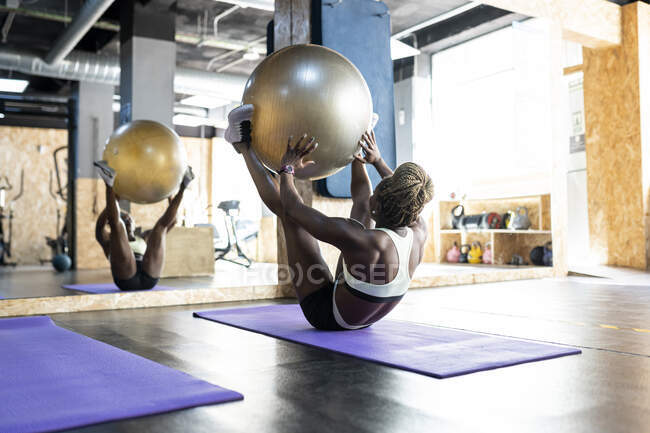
[[294, 388]]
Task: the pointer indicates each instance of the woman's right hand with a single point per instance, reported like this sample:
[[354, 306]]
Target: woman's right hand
[[370, 153]]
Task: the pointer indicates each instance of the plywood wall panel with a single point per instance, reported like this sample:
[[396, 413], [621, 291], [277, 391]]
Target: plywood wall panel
[[35, 211], [615, 148]]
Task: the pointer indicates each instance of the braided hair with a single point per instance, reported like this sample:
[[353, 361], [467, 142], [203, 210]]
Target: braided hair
[[403, 195]]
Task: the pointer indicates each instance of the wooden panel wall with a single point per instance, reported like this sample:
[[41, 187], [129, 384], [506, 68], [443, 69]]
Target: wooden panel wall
[[618, 143], [35, 212]]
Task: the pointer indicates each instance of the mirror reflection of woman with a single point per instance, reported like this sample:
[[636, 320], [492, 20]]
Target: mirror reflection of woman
[[136, 262]]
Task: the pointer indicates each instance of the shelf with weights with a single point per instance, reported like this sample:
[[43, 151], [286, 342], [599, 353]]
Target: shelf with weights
[[481, 214]]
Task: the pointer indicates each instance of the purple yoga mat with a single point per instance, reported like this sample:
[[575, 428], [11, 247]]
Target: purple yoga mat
[[53, 379], [424, 349], [109, 288]]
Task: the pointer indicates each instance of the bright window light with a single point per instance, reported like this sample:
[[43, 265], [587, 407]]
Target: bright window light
[[16, 86], [400, 50], [187, 120], [205, 101]]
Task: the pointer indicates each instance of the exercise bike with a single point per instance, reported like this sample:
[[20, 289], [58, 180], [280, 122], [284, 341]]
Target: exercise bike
[[5, 239], [233, 226]]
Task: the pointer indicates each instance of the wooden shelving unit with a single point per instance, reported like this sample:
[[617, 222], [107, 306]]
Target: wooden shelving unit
[[505, 243]]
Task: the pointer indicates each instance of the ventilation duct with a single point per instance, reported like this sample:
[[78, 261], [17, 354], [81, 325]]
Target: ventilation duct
[[106, 70]]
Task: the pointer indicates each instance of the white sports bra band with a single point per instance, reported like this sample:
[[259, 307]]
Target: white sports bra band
[[399, 285]]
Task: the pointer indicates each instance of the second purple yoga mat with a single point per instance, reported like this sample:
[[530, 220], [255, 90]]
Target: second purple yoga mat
[[54, 379], [424, 349]]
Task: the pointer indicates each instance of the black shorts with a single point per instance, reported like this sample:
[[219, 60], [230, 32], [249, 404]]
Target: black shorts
[[140, 281], [318, 309]]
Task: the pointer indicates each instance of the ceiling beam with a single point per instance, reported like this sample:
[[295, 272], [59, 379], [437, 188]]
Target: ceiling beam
[[592, 23]]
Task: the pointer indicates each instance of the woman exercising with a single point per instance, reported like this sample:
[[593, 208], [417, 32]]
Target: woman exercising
[[376, 264], [136, 262]]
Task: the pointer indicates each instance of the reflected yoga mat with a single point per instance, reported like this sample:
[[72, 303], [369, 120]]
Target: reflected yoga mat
[[110, 288], [53, 379], [423, 349]]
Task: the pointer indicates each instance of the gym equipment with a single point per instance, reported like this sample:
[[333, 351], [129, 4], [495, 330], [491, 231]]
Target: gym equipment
[[61, 262], [398, 344], [483, 221], [537, 256], [59, 244], [457, 214], [464, 252], [547, 258], [453, 254], [506, 221], [520, 220], [115, 384], [5, 243], [475, 253], [109, 288], [234, 228], [487, 254], [149, 160], [517, 260], [308, 89], [491, 221]]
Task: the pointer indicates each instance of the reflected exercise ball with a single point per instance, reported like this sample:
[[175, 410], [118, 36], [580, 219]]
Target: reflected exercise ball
[[61, 262], [308, 89], [149, 160]]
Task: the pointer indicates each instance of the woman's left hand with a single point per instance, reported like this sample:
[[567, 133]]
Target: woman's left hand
[[295, 153]]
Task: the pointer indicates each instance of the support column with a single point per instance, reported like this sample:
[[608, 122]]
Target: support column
[[93, 125], [148, 62], [291, 26], [559, 135], [617, 116]]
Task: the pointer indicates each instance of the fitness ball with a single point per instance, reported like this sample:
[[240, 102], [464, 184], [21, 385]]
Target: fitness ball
[[61, 262], [149, 160], [308, 89]]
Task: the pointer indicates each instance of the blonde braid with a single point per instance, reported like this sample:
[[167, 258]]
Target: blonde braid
[[403, 195]]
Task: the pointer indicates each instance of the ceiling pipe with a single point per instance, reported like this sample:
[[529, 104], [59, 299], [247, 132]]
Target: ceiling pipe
[[266, 5], [88, 15], [106, 70]]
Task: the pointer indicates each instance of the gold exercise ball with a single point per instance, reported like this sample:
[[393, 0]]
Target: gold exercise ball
[[149, 160], [308, 89]]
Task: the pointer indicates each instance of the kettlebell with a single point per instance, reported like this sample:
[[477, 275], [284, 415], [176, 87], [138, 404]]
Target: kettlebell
[[520, 220], [457, 214], [464, 251], [475, 253], [537, 256], [506, 220], [453, 254], [548, 254], [517, 260], [487, 254]]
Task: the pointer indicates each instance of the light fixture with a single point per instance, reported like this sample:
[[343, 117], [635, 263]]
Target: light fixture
[[205, 101], [267, 5], [116, 107], [15, 86], [2, 115], [399, 50], [251, 55], [188, 120]]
